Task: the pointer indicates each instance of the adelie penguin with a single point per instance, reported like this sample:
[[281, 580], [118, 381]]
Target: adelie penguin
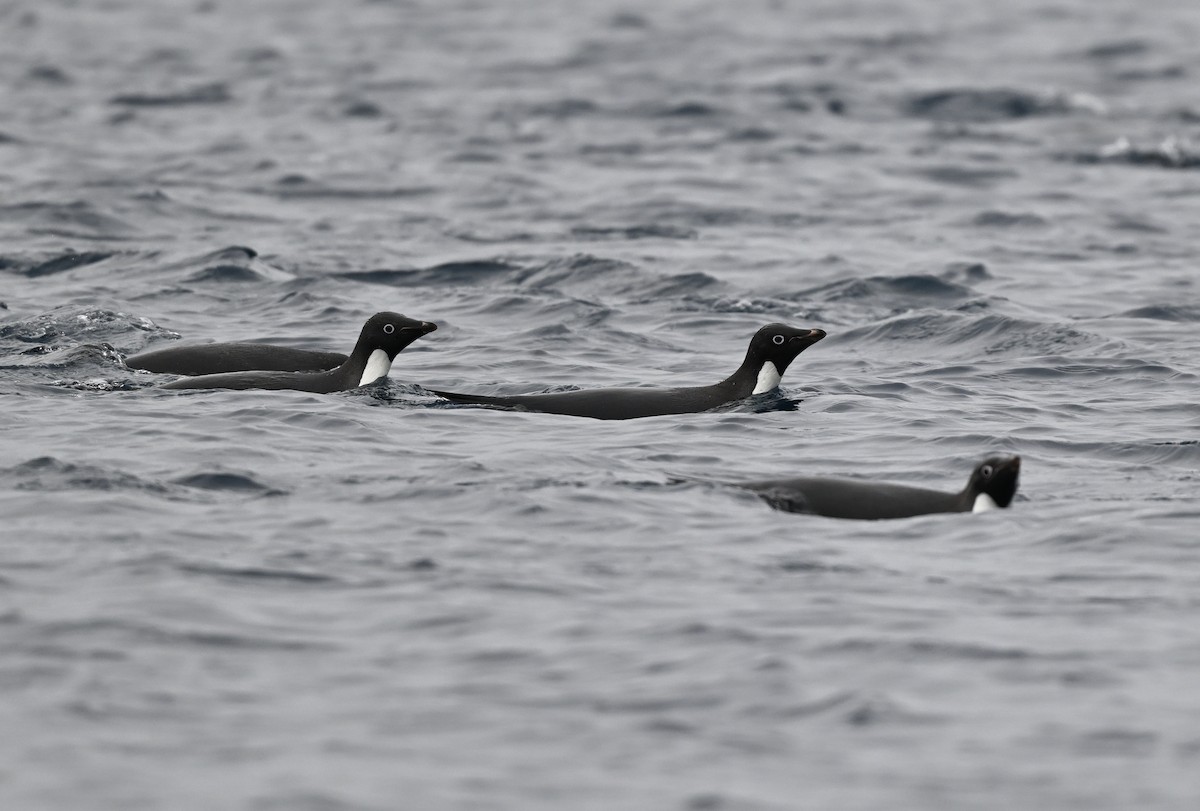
[[771, 350], [992, 485], [383, 337]]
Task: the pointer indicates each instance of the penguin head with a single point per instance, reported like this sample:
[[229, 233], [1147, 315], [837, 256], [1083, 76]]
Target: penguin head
[[391, 332], [771, 350], [996, 479]]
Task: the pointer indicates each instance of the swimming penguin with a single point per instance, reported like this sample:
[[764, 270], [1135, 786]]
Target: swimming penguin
[[382, 338], [992, 485], [771, 350]]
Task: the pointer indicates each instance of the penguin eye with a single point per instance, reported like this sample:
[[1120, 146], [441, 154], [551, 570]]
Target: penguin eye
[[777, 340], [986, 471], [389, 328]]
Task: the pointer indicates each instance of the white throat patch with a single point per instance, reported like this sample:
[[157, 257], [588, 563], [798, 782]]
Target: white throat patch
[[378, 365], [983, 503], [768, 378]]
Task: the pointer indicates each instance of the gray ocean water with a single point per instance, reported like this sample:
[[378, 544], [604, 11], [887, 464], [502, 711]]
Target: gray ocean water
[[370, 600]]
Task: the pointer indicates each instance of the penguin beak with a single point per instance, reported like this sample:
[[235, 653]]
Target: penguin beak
[[810, 337], [426, 327]]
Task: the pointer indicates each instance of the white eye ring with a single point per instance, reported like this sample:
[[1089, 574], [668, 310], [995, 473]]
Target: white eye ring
[[778, 339], [986, 471], [389, 328]]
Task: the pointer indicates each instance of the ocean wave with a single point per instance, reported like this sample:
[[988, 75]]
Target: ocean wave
[[80, 350], [78, 219], [449, 274], [212, 93], [647, 231], [996, 104], [779, 309], [910, 289], [224, 274], [34, 268], [975, 335], [257, 574], [562, 109], [226, 482], [126, 635], [234, 264], [1182, 313], [579, 275], [301, 187], [67, 327], [1007, 219], [1170, 153], [557, 311], [1184, 452], [50, 473], [78, 357], [1058, 367], [967, 176], [1118, 49]]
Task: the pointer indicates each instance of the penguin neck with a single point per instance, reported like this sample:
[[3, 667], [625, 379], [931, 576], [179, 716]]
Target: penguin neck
[[768, 378], [753, 377], [970, 500], [983, 503], [375, 366]]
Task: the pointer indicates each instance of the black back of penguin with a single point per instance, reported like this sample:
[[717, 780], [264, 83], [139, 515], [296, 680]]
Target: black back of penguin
[[217, 358]]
